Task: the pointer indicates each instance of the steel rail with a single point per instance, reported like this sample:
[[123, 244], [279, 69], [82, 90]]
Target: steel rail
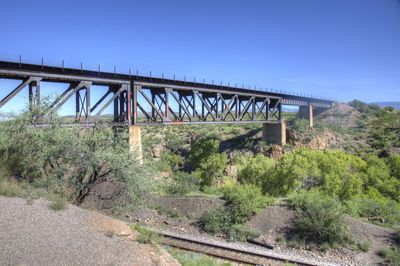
[[235, 252]]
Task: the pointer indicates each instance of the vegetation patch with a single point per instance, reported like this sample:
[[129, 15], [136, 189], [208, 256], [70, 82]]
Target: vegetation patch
[[364, 246], [182, 183], [58, 203], [10, 188], [239, 232], [187, 258], [319, 218], [57, 160], [391, 255], [145, 235], [245, 200]]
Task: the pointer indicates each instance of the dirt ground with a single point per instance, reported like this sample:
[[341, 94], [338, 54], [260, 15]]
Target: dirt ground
[[273, 222], [33, 234]]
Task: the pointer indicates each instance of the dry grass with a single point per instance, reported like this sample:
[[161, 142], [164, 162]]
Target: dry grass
[[10, 188]]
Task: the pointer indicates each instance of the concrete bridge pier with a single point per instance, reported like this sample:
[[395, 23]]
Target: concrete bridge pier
[[274, 133], [306, 112], [135, 143]]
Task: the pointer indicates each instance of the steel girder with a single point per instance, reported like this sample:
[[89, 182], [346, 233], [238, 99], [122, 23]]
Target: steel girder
[[169, 105], [147, 102]]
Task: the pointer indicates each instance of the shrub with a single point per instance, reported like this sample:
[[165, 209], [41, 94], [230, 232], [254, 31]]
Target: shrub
[[335, 172], [182, 184], [73, 158], [391, 255], [171, 161], [10, 189], [257, 170], [206, 160], [173, 213], [174, 142], [245, 201], [216, 221], [238, 232], [146, 236], [211, 168], [201, 149], [58, 203], [394, 165], [318, 218], [364, 246], [378, 176], [374, 206]]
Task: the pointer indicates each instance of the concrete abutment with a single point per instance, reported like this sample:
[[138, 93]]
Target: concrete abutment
[[135, 143], [274, 133], [306, 112]]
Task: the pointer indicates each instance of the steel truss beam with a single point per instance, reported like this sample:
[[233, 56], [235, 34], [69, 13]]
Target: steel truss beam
[[145, 102], [174, 105], [32, 82]]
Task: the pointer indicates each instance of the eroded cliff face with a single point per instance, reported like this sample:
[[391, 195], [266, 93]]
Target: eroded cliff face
[[336, 128], [316, 140]]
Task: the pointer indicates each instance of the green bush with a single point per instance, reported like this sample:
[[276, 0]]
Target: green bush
[[391, 255], [58, 203], [318, 218], [335, 172], [145, 235], [182, 184], [206, 160], [216, 221], [211, 168], [394, 165], [375, 207], [171, 161], [64, 159], [245, 201], [201, 149], [257, 170], [10, 188], [364, 246], [174, 142], [378, 176], [238, 232], [222, 221]]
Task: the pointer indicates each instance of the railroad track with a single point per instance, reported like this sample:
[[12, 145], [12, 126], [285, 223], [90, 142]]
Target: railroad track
[[232, 251]]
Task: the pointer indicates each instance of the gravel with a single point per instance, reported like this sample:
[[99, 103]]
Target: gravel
[[33, 234]]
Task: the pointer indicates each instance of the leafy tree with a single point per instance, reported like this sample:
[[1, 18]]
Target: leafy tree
[[211, 168], [257, 170], [394, 165], [201, 149], [207, 161], [378, 176], [335, 172]]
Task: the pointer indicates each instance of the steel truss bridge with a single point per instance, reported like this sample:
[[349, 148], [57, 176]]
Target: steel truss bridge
[[144, 100]]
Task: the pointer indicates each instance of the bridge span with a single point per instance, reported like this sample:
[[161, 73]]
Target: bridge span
[[144, 100]]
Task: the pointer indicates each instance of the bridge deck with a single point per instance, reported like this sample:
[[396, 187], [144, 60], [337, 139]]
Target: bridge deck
[[158, 100]]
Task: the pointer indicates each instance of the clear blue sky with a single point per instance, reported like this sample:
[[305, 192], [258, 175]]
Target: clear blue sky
[[344, 48]]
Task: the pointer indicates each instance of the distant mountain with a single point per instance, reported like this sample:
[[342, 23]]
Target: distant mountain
[[392, 104]]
